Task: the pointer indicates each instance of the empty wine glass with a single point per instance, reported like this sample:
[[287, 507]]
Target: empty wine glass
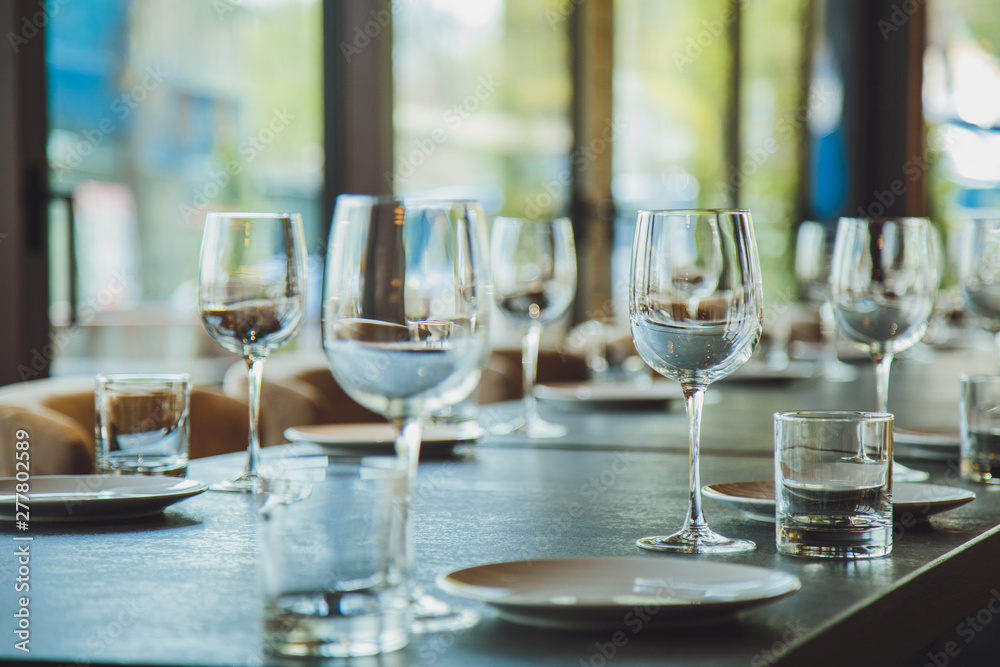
[[882, 286], [534, 281], [979, 272], [812, 268], [251, 298], [696, 308], [405, 326]]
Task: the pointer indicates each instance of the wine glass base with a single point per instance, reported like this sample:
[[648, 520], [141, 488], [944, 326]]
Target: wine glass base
[[901, 473], [433, 615], [703, 541], [535, 429], [835, 370], [245, 483], [539, 428]]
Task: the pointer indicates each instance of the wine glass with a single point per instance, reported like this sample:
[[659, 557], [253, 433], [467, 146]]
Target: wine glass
[[812, 268], [251, 298], [534, 282], [979, 272], [404, 323], [883, 281], [696, 308]]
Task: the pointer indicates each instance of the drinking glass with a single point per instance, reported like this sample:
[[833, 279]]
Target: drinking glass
[[696, 308], [142, 423], [979, 428], [405, 326], [979, 272], [251, 287], [812, 268], [882, 286], [829, 501], [534, 282]]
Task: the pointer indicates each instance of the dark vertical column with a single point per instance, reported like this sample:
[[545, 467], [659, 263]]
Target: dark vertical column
[[357, 95], [803, 149], [25, 347], [591, 203], [879, 46], [733, 143]]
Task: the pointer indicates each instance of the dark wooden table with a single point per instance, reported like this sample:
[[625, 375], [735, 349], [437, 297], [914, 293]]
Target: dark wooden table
[[180, 588]]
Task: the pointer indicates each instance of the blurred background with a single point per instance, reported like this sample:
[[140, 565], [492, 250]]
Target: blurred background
[[158, 110]]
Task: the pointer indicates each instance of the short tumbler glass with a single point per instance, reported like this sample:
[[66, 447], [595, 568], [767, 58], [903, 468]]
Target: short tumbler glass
[[332, 565], [979, 428], [141, 423], [833, 483]]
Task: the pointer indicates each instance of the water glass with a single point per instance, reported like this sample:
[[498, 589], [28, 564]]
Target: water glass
[[332, 567], [833, 483], [979, 410], [141, 423]]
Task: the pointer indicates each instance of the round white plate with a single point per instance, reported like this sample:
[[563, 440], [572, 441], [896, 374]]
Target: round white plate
[[611, 396], [601, 593], [436, 440], [911, 500], [94, 497], [926, 444]]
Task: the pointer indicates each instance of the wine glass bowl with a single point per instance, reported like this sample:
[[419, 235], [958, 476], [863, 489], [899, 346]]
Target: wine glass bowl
[[979, 273], [812, 268], [251, 299], [883, 282], [534, 282], [696, 311], [404, 327]]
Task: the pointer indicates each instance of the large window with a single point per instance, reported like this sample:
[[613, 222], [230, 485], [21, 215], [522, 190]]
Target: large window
[[159, 110], [673, 91], [482, 102], [962, 109]]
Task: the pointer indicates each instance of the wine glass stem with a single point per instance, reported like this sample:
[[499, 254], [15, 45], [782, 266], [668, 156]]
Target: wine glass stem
[[408, 433], [883, 360], [529, 366], [255, 368], [996, 343], [827, 334], [693, 399]]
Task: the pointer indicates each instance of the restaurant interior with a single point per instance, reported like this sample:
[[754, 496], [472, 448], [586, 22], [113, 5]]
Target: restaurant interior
[[133, 130]]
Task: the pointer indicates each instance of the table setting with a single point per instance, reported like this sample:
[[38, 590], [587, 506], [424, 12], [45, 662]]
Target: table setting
[[389, 539]]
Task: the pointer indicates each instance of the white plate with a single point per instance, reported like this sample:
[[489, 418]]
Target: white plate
[[601, 593], [926, 444], [911, 500], [95, 497], [611, 396], [436, 440]]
